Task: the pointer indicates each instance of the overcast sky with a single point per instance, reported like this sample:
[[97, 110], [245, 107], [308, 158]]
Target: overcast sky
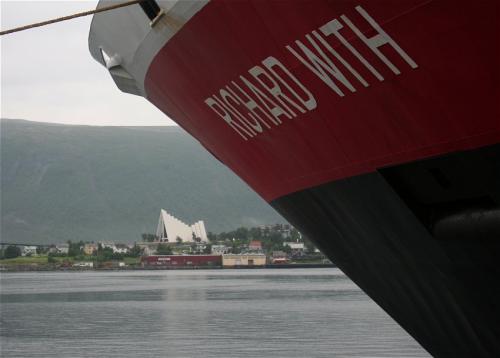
[[48, 75]]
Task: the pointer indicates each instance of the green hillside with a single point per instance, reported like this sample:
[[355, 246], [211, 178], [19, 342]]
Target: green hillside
[[61, 182]]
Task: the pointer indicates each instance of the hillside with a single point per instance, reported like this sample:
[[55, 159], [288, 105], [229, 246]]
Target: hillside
[[61, 182]]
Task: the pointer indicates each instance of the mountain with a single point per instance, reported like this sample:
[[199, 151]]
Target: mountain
[[66, 182]]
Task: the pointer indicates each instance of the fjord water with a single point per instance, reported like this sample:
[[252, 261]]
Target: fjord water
[[201, 313]]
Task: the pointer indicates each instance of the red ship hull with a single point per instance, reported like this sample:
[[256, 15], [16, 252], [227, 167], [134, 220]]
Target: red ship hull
[[181, 261], [373, 127], [449, 102]]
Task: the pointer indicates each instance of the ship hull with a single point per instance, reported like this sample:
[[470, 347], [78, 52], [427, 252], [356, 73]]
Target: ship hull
[[373, 127], [442, 289], [444, 97]]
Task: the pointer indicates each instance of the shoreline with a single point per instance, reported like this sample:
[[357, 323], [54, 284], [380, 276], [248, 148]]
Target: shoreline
[[29, 268]]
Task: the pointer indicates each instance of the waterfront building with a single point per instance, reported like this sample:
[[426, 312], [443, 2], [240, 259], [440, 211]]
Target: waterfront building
[[62, 249], [181, 261], [171, 229], [295, 246], [279, 257], [89, 249], [120, 249], [237, 260], [284, 229], [117, 248], [279, 254], [148, 248], [199, 247], [108, 244], [83, 264], [255, 245], [220, 249], [28, 250]]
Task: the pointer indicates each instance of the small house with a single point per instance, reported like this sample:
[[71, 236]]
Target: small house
[[62, 249], [238, 260], [299, 246], [120, 249], [28, 250], [89, 249], [255, 245], [220, 249]]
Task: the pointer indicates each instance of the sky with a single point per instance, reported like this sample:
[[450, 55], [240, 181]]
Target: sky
[[48, 74]]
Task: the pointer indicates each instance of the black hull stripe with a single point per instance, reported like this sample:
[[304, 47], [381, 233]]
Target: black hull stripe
[[444, 297]]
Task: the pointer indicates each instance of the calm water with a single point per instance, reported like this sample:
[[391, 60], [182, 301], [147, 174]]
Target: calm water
[[219, 313]]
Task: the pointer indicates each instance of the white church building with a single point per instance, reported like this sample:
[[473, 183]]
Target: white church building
[[170, 228]]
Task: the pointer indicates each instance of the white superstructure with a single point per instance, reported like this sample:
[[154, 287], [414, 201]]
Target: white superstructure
[[125, 41], [170, 229]]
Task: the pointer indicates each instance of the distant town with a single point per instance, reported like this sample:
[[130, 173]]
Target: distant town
[[174, 245]]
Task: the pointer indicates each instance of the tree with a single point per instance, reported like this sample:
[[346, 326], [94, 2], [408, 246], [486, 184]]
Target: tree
[[211, 236], [223, 236], [164, 249], [256, 233], [295, 235], [104, 253], [12, 251], [286, 249], [309, 245], [75, 248], [178, 239], [136, 251], [235, 249], [117, 256], [41, 250], [208, 249], [241, 233], [149, 237]]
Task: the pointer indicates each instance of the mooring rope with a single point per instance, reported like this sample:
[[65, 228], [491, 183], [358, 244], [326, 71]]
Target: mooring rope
[[69, 17]]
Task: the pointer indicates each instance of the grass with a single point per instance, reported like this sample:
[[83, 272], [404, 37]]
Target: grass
[[42, 260], [132, 260], [64, 259], [25, 260], [311, 261]]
